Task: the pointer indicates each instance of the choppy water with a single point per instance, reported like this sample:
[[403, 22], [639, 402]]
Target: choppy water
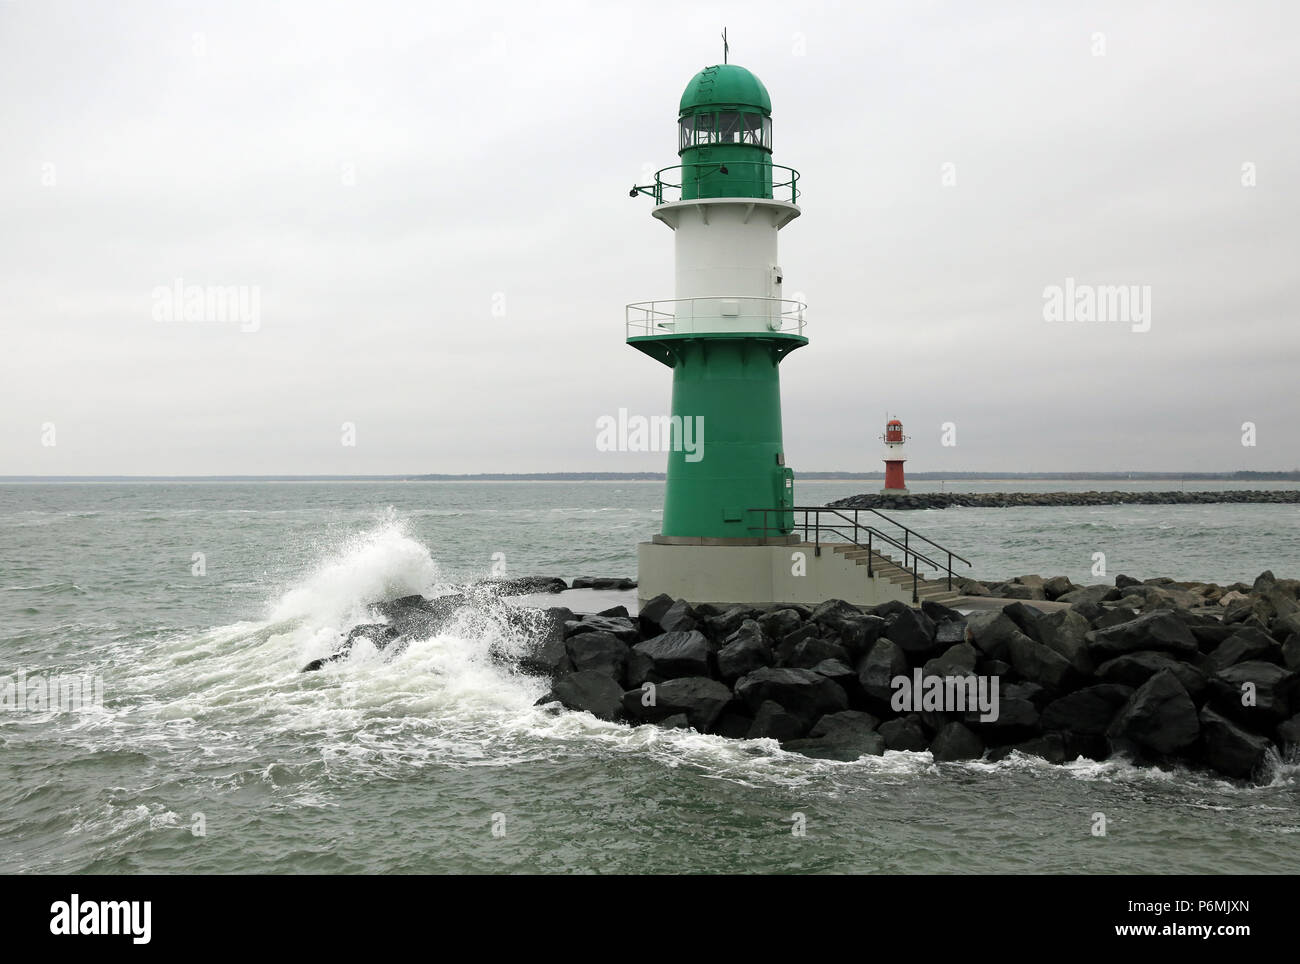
[[406, 766]]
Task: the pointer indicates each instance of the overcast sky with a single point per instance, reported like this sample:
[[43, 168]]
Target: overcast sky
[[430, 203]]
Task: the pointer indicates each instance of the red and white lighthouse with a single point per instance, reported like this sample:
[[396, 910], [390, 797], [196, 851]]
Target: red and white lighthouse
[[894, 458]]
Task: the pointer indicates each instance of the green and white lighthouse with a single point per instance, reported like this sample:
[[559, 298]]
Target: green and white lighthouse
[[724, 335]]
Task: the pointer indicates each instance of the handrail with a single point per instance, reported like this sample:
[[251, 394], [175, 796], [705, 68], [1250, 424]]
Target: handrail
[[852, 536], [702, 171], [915, 533], [721, 313]]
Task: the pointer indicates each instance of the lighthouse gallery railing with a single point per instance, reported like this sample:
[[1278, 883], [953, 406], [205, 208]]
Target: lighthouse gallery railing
[[852, 530], [677, 316], [701, 176]]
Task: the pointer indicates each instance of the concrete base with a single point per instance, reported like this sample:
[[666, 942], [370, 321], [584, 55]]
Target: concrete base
[[758, 575], [902, 491]]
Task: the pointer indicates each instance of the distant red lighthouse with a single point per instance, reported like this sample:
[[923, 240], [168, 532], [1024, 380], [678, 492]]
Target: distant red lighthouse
[[894, 457]]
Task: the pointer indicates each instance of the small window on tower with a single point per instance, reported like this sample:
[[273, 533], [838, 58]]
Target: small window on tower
[[705, 128], [767, 132], [754, 129]]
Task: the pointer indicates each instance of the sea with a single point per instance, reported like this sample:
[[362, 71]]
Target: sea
[[189, 608]]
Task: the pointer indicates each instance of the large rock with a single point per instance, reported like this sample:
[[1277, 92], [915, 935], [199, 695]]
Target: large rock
[[846, 736], [1245, 644], [835, 614], [1090, 595], [1066, 631], [802, 692], [1255, 692], [1159, 717], [807, 653], [878, 669], [744, 651], [600, 652], [958, 660], [1161, 631], [991, 632], [590, 691], [956, 742], [674, 654], [1088, 711], [860, 633], [547, 652], [903, 734], [1136, 668], [701, 699], [622, 627], [772, 722], [912, 630], [721, 627], [680, 618], [652, 611], [777, 624], [1230, 749], [1039, 664]]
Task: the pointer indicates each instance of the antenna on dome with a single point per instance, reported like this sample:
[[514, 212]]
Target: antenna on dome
[[725, 46]]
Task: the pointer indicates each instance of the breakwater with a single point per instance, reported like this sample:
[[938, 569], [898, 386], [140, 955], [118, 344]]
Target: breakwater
[[1006, 500]]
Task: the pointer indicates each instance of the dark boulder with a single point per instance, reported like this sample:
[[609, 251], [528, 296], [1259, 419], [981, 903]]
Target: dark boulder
[[701, 699], [1160, 630], [772, 722], [680, 618], [1245, 644], [652, 611], [860, 633], [722, 626], [878, 669], [1230, 749], [1040, 664], [1015, 720], [590, 691], [622, 627], [1254, 692], [904, 734], [777, 624], [599, 652], [801, 692], [809, 652], [835, 614], [956, 742], [991, 633], [1159, 717], [745, 650], [1136, 668], [1056, 587], [913, 631], [675, 654], [958, 660], [1066, 632], [845, 736], [1026, 619], [1089, 711]]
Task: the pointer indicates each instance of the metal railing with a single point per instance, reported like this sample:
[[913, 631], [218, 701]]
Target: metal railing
[[842, 529], [685, 316], [703, 178]]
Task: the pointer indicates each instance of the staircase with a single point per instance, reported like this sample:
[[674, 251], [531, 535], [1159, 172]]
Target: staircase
[[886, 567], [849, 536]]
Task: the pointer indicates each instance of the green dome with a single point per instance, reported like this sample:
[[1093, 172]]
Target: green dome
[[725, 85]]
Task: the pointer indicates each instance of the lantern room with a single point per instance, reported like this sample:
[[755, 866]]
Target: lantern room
[[724, 135]]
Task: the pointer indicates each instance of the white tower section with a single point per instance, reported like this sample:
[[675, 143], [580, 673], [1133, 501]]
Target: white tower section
[[729, 275]]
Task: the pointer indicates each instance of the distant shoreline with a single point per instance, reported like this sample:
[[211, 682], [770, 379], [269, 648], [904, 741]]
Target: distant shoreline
[[660, 477]]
